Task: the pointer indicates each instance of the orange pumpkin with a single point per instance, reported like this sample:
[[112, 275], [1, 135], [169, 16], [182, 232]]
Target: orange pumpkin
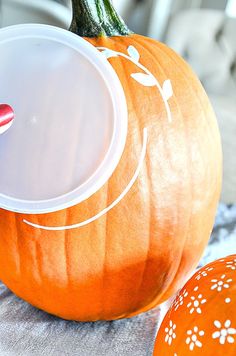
[[202, 318], [140, 252]]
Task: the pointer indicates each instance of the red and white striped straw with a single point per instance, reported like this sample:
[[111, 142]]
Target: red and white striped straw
[[6, 117]]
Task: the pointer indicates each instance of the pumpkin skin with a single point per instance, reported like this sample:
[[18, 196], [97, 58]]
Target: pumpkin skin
[[140, 252], [205, 307]]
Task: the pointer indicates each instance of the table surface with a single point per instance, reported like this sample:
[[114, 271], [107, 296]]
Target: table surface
[[27, 331]]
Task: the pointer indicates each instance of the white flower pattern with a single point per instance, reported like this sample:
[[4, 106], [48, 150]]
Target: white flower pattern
[[193, 338], [170, 333], [231, 264], [220, 284], [203, 273], [224, 332], [180, 299], [196, 302]]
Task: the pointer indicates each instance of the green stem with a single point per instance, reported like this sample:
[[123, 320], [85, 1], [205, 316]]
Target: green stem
[[95, 18]]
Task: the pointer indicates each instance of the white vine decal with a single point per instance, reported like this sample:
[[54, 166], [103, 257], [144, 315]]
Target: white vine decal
[[145, 78]]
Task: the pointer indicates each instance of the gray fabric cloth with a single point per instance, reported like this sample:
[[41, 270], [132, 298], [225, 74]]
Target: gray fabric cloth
[[206, 39], [26, 331], [223, 239]]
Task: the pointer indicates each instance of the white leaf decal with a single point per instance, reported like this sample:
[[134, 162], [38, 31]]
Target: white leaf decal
[[108, 53], [145, 79], [167, 89], [133, 53]]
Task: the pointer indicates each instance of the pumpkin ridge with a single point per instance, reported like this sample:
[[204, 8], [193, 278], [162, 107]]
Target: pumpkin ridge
[[66, 254], [188, 228], [145, 262], [103, 278], [166, 293], [138, 125], [38, 260], [160, 67], [152, 217], [188, 225], [37, 257], [17, 249]]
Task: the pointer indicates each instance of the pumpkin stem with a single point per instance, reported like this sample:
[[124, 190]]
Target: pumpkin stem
[[95, 18]]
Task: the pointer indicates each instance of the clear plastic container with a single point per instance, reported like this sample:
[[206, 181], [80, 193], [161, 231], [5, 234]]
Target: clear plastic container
[[70, 122]]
